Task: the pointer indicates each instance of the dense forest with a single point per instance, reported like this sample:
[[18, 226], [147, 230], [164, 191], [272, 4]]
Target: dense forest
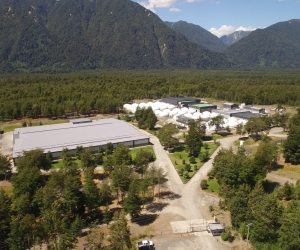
[[68, 35], [36, 96]]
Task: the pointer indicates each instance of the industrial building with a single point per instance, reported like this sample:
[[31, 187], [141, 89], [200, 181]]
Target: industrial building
[[78, 132], [229, 105], [255, 109], [216, 228], [180, 101], [230, 112], [201, 107]]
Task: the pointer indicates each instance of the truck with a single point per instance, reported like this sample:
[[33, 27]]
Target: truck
[[146, 245]]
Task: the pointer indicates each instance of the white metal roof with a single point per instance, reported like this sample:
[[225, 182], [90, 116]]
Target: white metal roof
[[54, 138]]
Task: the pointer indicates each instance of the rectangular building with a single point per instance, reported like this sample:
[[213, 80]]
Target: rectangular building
[[229, 105], [201, 107], [180, 100], [80, 132]]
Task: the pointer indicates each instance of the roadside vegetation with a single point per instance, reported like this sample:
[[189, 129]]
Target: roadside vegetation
[[249, 197]]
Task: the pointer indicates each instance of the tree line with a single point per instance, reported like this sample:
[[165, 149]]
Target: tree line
[[52, 208], [35, 96], [247, 194]]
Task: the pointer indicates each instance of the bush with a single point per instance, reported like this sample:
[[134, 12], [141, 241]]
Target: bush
[[211, 208], [204, 184], [180, 171], [205, 145], [192, 159], [225, 236], [183, 161], [187, 167], [186, 174]]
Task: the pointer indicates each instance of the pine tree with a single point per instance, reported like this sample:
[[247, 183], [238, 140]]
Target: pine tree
[[119, 233]]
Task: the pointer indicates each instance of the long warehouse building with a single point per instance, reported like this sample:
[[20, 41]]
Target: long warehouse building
[[79, 132]]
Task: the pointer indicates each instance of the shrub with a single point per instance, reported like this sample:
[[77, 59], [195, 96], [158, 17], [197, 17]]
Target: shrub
[[183, 161], [187, 167], [205, 145], [204, 184], [211, 208], [180, 171], [192, 159], [225, 236], [186, 174]]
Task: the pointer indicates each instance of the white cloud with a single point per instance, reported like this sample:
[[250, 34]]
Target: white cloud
[[152, 4], [175, 9], [224, 30], [228, 29]]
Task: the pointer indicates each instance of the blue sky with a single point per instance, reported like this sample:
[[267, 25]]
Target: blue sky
[[225, 16]]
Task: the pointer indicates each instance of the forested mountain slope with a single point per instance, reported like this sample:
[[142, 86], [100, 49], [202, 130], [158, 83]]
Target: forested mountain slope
[[69, 35], [197, 34], [277, 46]]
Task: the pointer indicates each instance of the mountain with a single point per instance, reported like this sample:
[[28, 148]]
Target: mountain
[[277, 46], [197, 34], [70, 35], [234, 37]]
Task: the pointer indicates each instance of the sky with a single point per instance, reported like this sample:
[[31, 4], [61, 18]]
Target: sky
[[222, 17]]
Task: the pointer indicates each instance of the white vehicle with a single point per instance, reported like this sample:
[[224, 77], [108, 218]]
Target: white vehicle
[[146, 245]]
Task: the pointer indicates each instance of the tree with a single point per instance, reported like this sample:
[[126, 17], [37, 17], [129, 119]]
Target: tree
[[5, 215], [109, 149], [218, 122], [96, 238], [142, 159], [91, 193], [156, 177], [121, 178], [132, 203], [193, 139], [34, 158], [49, 156], [166, 136], [291, 147], [122, 155], [240, 129], [290, 226], [87, 159], [146, 118], [98, 159], [4, 165], [255, 126], [281, 120], [78, 152], [266, 154], [66, 157], [119, 233]]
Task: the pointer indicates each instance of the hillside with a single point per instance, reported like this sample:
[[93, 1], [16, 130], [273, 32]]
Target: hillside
[[197, 34], [234, 37], [70, 35], [277, 46]]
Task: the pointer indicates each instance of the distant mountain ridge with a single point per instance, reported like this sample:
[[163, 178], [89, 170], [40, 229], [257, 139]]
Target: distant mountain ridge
[[234, 37], [277, 46], [70, 35], [197, 34]]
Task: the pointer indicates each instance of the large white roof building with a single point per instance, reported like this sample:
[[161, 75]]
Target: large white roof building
[[79, 132]]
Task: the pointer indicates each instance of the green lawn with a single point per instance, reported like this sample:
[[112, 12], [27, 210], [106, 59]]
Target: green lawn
[[19, 125], [247, 142], [134, 151], [180, 156], [59, 164], [213, 186]]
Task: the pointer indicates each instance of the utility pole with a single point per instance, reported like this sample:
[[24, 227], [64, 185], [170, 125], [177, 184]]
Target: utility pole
[[248, 225]]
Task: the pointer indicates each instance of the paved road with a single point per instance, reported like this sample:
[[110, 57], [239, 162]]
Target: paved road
[[193, 203]]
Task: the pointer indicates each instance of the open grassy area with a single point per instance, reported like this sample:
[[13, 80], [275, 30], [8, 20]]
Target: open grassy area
[[8, 128], [180, 158], [247, 142], [134, 151], [213, 186], [59, 164]]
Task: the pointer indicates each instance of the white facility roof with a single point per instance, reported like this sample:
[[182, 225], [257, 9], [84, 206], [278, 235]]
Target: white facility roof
[[54, 138]]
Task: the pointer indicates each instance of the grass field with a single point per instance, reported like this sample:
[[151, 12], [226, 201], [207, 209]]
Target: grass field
[[213, 186], [180, 158], [134, 151], [9, 128]]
